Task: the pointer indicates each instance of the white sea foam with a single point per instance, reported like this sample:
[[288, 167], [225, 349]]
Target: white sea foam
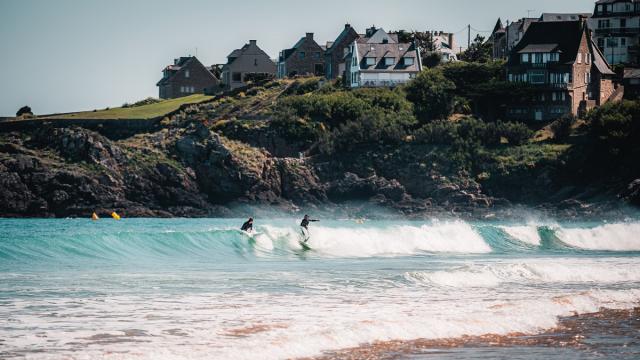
[[532, 272], [527, 234], [453, 237], [613, 237]]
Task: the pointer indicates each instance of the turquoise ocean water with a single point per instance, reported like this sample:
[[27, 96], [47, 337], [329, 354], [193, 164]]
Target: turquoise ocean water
[[201, 289]]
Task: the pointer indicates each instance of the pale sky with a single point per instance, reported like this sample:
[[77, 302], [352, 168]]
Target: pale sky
[[66, 55]]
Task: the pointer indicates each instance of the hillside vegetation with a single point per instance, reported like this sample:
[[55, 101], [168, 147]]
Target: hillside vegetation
[[434, 146], [150, 111]]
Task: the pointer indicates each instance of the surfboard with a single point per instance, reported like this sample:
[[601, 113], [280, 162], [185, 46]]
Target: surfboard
[[304, 238]]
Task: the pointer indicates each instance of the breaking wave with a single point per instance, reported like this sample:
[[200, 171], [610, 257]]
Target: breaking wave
[[338, 239]]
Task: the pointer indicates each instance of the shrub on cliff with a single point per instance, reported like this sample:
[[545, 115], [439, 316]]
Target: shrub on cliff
[[377, 128], [431, 94], [616, 128], [561, 127], [444, 132], [339, 107]]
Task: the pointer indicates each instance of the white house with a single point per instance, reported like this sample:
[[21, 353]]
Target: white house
[[380, 60]]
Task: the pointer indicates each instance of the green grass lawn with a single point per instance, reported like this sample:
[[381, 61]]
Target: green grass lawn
[[138, 112]]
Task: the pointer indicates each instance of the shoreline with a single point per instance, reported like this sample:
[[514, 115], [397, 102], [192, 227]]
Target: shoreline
[[583, 332]]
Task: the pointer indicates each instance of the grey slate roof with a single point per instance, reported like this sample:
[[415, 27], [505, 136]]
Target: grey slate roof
[[382, 51]]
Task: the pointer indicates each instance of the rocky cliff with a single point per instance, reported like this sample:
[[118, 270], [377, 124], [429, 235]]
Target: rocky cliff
[[206, 161]]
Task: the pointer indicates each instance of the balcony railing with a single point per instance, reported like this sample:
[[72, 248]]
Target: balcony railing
[[618, 30], [382, 83], [616, 13]]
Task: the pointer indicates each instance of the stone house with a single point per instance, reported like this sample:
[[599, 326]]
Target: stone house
[[567, 70], [306, 57], [186, 76], [249, 59], [337, 51], [378, 60], [444, 43]]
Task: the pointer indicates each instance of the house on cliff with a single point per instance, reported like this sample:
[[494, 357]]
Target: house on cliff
[[379, 60], [306, 57], [248, 60], [567, 71], [186, 76], [336, 53]]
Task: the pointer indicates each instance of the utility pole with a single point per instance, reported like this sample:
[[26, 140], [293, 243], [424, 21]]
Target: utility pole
[[468, 36]]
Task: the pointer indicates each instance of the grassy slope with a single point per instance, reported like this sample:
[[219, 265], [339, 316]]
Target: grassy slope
[[138, 112]]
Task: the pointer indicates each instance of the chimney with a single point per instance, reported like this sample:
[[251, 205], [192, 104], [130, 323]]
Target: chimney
[[252, 42], [346, 26], [175, 61], [310, 36], [451, 44]]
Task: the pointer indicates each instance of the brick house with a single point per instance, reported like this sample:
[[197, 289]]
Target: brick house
[[378, 59], [334, 56], [306, 57], [560, 60], [249, 59], [186, 76]]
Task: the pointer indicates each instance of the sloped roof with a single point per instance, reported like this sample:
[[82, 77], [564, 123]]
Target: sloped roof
[[381, 51], [181, 63], [540, 48], [565, 37], [347, 29]]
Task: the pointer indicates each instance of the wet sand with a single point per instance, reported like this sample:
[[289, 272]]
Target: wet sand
[[613, 334]]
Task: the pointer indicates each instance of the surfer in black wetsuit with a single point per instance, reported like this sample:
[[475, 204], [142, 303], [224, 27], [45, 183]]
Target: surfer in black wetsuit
[[305, 222], [248, 225]]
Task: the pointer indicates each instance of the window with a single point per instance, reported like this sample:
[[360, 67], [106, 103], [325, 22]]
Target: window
[[537, 77], [587, 78], [301, 55], [182, 89], [579, 59], [193, 90], [601, 43], [612, 42], [316, 55], [186, 73], [554, 97], [623, 42], [587, 59], [370, 61], [537, 58], [623, 23], [255, 62], [559, 78], [603, 24], [236, 76], [389, 61], [524, 58], [408, 61]]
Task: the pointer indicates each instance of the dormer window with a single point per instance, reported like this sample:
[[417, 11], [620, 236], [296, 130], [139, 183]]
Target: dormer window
[[388, 61], [408, 61], [369, 61]]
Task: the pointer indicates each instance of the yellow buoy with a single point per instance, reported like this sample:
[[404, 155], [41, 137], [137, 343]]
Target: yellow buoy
[[115, 216], [94, 216]]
